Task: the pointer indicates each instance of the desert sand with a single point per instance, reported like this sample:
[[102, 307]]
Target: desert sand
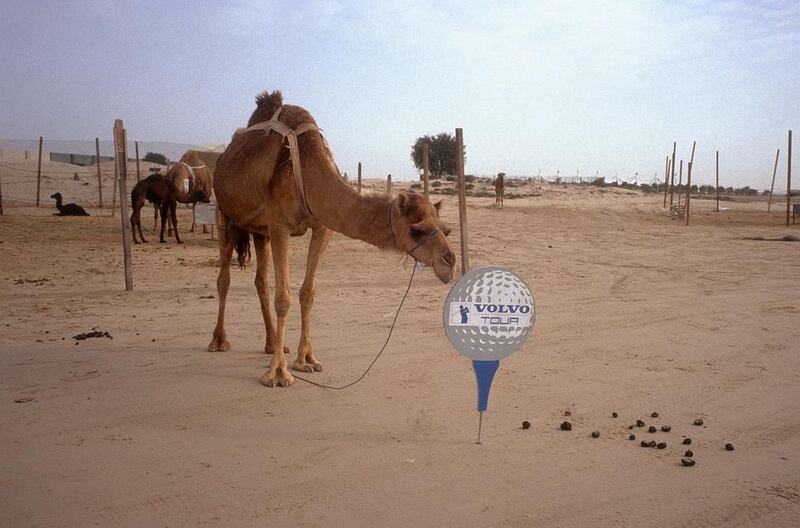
[[636, 313]]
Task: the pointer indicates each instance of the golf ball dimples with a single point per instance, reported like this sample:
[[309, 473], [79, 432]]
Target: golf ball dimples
[[490, 285]]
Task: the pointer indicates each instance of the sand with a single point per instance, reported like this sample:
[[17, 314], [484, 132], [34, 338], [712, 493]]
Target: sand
[[635, 313]]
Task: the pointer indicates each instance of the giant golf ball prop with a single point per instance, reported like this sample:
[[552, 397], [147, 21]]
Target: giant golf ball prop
[[488, 315]]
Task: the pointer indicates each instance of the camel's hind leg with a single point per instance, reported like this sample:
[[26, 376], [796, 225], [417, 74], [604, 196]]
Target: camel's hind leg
[[306, 361], [261, 244], [278, 373], [155, 217], [219, 342]]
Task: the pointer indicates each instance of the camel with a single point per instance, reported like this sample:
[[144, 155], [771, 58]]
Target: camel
[[192, 170], [268, 192], [499, 189], [68, 209], [163, 193]]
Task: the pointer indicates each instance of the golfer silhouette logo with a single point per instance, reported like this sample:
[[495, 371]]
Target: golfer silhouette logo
[[464, 314]]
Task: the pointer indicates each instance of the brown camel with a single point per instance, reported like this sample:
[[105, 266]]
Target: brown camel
[[190, 174], [499, 189], [261, 191], [163, 194]]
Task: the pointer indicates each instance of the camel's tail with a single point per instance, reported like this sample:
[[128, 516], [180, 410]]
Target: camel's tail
[[242, 246]]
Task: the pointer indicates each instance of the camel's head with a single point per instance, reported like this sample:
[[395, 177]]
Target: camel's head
[[200, 196], [56, 196], [418, 231]]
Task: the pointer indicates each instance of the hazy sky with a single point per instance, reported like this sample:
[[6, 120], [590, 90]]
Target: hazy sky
[[536, 86]]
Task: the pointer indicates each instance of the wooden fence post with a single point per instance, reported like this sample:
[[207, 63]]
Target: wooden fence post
[[116, 177], [39, 173], [688, 192], [772, 186], [1, 195], [789, 178], [138, 175], [462, 200], [359, 177], [121, 156], [717, 181], [389, 183], [426, 152], [99, 178], [666, 179], [672, 171]]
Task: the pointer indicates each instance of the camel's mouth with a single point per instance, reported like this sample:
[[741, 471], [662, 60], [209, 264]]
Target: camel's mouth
[[443, 268]]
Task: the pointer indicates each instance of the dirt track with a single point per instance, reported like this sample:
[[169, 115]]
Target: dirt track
[[635, 313]]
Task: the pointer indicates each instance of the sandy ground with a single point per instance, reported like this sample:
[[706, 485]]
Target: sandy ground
[[635, 313]]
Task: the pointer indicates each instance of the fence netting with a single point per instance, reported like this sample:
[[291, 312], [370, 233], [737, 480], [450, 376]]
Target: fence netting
[[19, 179]]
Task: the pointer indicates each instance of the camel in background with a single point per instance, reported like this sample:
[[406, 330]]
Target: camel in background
[[68, 209], [262, 192], [189, 175], [499, 189], [163, 194]]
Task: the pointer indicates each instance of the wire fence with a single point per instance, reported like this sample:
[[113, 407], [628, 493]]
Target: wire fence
[[22, 181]]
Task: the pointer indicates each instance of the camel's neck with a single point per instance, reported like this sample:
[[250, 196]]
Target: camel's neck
[[337, 205], [58, 203]]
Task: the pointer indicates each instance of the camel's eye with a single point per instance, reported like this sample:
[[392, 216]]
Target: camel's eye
[[417, 232]]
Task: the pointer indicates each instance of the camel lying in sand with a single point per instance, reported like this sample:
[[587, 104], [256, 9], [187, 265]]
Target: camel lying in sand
[[68, 209], [267, 192]]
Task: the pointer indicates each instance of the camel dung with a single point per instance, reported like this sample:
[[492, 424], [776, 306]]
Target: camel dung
[[639, 423], [728, 447], [526, 424], [687, 441], [630, 427], [614, 415], [661, 445], [689, 453], [632, 437], [567, 413], [651, 443], [698, 421], [596, 434], [654, 414], [666, 428], [652, 429], [566, 426], [644, 443], [688, 462]]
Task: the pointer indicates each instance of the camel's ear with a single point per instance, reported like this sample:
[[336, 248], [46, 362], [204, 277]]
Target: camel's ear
[[438, 205], [403, 202]]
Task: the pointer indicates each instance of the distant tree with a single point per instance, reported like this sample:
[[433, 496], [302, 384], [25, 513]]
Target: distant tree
[[155, 157], [442, 159]]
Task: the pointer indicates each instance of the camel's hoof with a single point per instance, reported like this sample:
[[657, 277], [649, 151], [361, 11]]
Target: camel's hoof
[[179, 241], [302, 366], [277, 379], [217, 345]]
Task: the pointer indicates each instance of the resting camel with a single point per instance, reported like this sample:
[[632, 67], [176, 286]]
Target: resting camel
[[69, 209], [189, 169], [262, 192], [164, 194], [499, 189]]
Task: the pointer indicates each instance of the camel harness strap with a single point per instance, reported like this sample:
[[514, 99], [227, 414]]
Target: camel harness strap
[[291, 135]]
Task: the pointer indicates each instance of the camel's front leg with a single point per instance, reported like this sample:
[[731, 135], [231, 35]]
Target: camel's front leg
[[306, 361], [260, 242], [219, 342], [278, 373]]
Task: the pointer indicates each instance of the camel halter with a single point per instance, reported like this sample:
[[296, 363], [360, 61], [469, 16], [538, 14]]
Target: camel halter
[[291, 134], [424, 239], [192, 169]]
